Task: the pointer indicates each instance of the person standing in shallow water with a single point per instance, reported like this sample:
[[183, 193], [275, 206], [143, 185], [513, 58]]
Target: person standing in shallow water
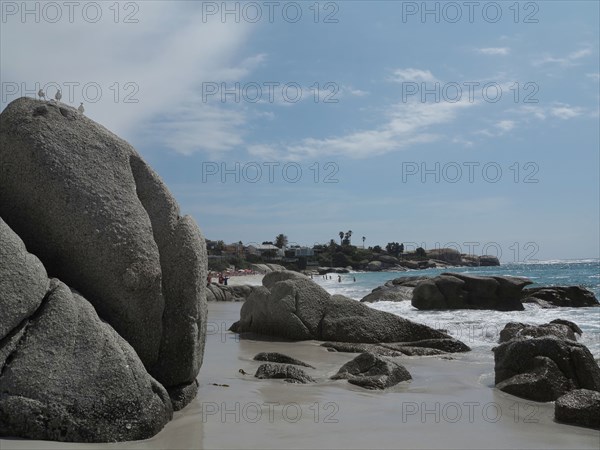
[[339, 278]]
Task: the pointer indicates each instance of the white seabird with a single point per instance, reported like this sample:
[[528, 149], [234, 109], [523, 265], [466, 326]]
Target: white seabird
[[58, 96], [81, 109], [41, 94]]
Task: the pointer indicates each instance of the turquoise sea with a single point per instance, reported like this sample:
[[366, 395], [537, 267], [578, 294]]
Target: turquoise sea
[[481, 329]]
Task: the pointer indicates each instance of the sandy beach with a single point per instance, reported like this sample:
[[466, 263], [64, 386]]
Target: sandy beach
[[450, 403], [253, 280]]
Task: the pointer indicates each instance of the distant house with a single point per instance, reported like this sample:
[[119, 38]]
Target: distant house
[[261, 249], [307, 252]]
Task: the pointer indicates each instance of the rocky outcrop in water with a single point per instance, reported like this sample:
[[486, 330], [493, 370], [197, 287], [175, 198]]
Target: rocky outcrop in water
[[557, 296], [298, 309], [462, 291], [544, 368]]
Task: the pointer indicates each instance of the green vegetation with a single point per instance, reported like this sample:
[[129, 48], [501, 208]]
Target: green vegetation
[[331, 254]]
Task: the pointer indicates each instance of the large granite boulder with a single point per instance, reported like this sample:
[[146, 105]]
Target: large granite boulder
[[233, 293], [579, 407], [544, 368], [396, 290], [372, 371], [462, 291], [101, 221], [64, 373], [299, 309], [567, 296]]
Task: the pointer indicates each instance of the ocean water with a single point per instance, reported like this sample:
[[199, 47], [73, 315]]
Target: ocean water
[[481, 329]]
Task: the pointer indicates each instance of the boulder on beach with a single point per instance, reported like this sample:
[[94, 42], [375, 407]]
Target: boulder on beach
[[579, 407], [299, 309], [100, 220], [266, 268], [465, 291], [280, 358], [230, 293], [286, 372], [556, 296], [372, 371], [66, 374], [544, 368], [103, 330]]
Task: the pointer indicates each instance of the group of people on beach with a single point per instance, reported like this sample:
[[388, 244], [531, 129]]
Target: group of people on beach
[[328, 277], [222, 277]]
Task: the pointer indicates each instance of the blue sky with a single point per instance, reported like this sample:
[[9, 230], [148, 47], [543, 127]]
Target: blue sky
[[362, 157]]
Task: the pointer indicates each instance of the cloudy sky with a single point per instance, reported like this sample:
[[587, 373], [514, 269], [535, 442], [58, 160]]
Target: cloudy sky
[[437, 124]]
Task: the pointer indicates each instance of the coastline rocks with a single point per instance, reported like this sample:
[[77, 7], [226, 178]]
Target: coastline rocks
[[221, 293], [396, 290], [64, 373], [460, 291], [448, 255], [426, 347], [289, 373], [99, 219], [266, 268], [489, 261], [562, 329], [372, 371], [280, 358], [544, 368], [567, 296], [299, 309], [579, 407], [375, 266]]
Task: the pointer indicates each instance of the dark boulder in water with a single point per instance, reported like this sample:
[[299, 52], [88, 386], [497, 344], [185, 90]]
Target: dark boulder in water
[[461, 291]]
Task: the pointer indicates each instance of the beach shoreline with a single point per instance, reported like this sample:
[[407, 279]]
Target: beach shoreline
[[450, 403]]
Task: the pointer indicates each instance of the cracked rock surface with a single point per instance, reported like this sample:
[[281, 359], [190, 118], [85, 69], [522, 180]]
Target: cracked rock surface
[[64, 373], [98, 219]]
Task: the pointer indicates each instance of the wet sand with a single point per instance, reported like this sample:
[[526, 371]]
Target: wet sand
[[448, 404]]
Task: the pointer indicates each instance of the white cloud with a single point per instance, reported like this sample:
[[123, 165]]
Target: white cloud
[[565, 112], [505, 125], [566, 61], [407, 124], [165, 56], [579, 53], [410, 74], [494, 51], [557, 110]]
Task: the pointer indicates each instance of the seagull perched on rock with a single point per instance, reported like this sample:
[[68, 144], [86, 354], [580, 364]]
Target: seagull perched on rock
[[81, 109], [58, 96], [41, 94]]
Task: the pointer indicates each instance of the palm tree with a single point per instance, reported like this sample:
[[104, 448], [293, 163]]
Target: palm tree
[[349, 236], [341, 233], [364, 239]]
